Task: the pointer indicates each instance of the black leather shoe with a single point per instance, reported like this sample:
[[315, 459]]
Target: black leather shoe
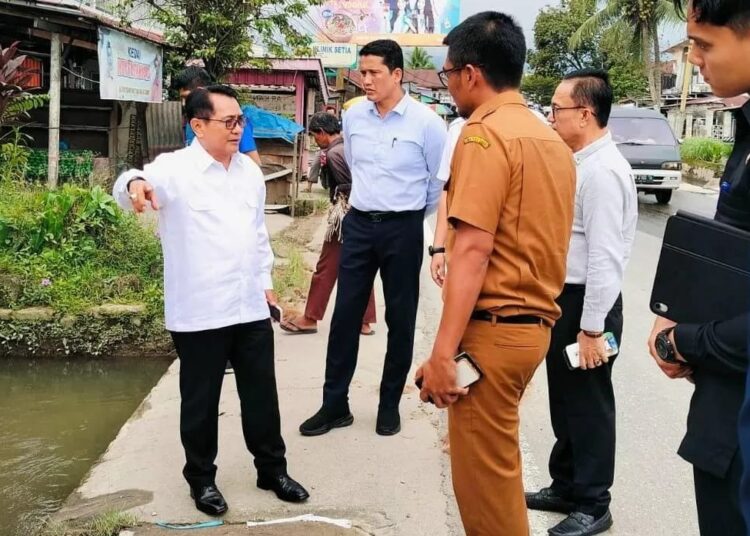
[[580, 524], [209, 500], [388, 423], [285, 487], [548, 500], [326, 420]]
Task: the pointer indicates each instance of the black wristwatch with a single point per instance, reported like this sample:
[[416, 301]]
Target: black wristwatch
[[431, 250], [664, 347]]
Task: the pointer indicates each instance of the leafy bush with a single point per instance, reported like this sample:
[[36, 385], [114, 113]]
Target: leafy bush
[[73, 248], [704, 152]]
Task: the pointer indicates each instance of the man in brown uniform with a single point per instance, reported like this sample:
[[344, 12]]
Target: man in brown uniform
[[510, 202]]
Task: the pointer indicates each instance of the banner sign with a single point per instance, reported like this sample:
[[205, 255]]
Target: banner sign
[[338, 55], [410, 22], [130, 69]]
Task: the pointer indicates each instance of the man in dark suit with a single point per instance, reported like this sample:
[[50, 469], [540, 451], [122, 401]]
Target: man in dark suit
[[714, 355]]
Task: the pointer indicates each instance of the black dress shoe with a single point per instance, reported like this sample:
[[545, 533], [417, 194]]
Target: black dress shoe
[[284, 486], [580, 524], [209, 500], [548, 500], [388, 423], [326, 420]]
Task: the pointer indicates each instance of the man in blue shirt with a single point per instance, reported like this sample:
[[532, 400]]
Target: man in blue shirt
[[193, 77], [393, 145]]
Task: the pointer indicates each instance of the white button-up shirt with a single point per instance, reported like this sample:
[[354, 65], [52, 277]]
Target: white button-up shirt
[[454, 132], [217, 254], [394, 159], [606, 214]]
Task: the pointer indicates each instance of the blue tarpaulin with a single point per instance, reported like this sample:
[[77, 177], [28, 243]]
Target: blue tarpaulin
[[269, 125]]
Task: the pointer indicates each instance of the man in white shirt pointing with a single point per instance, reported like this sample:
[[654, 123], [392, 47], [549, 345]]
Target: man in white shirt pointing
[[217, 290], [582, 401]]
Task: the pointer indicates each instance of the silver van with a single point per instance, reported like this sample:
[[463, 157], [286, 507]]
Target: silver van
[[646, 140]]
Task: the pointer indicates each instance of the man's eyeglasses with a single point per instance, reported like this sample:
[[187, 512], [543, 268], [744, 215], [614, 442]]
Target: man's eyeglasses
[[230, 122], [556, 109], [443, 75]]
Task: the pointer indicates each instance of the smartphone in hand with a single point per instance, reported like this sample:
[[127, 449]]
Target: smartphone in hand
[[277, 313], [467, 372], [573, 358]]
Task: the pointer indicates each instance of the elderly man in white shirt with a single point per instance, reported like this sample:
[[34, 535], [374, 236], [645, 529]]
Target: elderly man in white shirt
[[217, 290], [582, 401]]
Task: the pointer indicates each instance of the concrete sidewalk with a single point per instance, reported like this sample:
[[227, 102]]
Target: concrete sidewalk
[[384, 485]]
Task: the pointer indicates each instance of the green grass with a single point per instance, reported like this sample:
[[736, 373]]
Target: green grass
[[106, 524], [82, 261], [290, 276], [705, 152]]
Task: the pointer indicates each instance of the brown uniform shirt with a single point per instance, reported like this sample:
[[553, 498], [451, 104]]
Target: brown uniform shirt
[[513, 176]]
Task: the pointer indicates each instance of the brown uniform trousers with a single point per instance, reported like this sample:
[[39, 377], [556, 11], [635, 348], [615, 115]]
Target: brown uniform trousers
[[485, 455], [512, 177], [323, 280]]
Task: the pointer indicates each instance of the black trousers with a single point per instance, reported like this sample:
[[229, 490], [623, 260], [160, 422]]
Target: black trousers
[[203, 357], [718, 501], [582, 408], [395, 247]]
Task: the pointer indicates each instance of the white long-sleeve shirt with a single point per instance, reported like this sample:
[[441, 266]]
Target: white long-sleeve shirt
[[606, 214], [217, 253]]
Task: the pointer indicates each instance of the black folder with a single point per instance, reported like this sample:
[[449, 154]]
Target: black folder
[[704, 271]]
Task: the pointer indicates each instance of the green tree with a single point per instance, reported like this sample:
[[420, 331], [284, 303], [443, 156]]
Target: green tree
[[223, 33], [635, 22], [552, 55], [539, 88], [420, 59]]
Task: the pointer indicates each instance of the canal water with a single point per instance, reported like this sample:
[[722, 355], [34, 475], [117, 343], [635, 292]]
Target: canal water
[[56, 418]]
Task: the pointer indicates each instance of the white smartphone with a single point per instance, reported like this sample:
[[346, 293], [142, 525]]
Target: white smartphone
[[467, 371], [573, 357]]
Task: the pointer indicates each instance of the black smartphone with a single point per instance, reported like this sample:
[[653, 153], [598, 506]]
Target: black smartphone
[[276, 312]]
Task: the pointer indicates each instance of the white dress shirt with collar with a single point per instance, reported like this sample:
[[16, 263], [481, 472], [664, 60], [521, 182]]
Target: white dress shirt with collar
[[394, 159], [606, 214], [217, 254], [454, 132]]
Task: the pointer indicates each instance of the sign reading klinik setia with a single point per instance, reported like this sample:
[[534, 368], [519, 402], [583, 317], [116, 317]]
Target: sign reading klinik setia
[[130, 69], [336, 55]]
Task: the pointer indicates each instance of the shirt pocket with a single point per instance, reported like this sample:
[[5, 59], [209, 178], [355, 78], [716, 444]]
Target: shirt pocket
[[405, 157]]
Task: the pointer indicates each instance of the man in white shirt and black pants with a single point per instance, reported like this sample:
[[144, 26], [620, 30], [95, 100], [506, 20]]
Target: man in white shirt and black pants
[[217, 290], [582, 401]]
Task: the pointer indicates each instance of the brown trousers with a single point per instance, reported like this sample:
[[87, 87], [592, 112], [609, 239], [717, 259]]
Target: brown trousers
[[483, 427], [323, 280]]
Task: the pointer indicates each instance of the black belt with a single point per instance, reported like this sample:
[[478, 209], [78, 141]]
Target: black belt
[[517, 319], [381, 216]]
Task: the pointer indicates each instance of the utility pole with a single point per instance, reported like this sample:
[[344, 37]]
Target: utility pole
[[53, 148], [687, 78]]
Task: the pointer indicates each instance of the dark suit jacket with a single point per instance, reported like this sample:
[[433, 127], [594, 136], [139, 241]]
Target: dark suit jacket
[[718, 351]]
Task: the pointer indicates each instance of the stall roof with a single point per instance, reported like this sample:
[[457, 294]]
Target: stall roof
[[307, 65]]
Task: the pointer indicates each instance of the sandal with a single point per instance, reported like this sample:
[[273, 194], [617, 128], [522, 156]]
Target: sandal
[[290, 327]]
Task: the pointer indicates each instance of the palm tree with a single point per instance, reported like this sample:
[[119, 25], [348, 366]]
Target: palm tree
[[420, 59], [634, 23]]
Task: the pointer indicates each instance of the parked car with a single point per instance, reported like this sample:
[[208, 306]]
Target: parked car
[[646, 140]]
